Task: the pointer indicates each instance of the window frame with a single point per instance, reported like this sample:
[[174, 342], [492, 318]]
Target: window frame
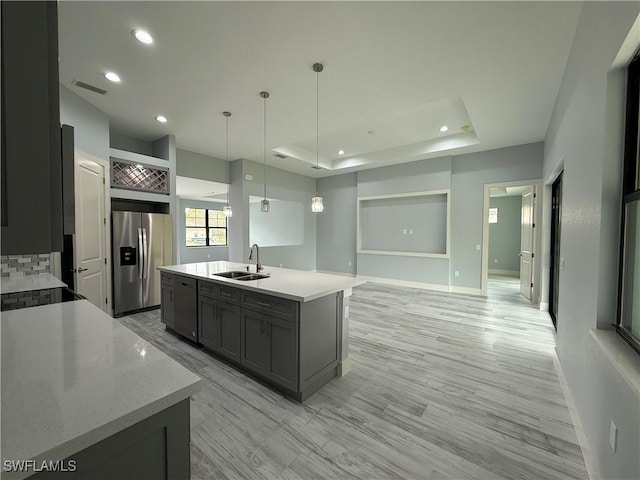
[[206, 228], [630, 186]]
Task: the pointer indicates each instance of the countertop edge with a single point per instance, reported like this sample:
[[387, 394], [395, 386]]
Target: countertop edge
[[71, 447], [246, 286]]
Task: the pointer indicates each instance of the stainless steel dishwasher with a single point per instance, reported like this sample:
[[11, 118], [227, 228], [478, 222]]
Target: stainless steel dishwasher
[[185, 305]]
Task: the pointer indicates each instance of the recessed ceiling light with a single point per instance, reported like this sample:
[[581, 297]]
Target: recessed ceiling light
[[444, 128], [112, 77], [143, 36], [340, 152], [161, 119]]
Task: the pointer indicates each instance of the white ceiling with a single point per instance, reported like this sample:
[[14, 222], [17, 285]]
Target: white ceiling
[[399, 69]]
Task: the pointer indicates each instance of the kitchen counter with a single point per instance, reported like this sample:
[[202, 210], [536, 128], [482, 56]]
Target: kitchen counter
[[26, 283], [72, 376], [295, 285]]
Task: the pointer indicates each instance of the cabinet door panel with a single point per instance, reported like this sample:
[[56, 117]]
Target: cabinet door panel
[[282, 352], [208, 323], [229, 320], [253, 347]]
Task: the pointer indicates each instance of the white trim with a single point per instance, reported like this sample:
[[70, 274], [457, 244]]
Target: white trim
[[405, 283], [589, 457], [466, 290], [344, 367], [423, 193], [336, 273], [511, 273], [422, 285], [537, 215], [402, 254], [137, 158], [544, 306]]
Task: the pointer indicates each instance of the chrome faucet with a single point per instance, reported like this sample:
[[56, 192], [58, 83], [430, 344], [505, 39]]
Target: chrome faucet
[[258, 266]]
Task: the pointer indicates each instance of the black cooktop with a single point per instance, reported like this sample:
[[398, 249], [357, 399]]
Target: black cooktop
[[33, 298]]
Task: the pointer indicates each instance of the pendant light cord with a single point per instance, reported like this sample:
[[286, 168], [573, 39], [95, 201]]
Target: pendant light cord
[[317, 119], [227, 156]]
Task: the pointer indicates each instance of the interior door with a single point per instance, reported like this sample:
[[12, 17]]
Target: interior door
[[526, 243], [90, 240]]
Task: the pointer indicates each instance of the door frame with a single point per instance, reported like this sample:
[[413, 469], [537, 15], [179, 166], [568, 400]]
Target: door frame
[[555, 224], [537, 215], [78, 156]]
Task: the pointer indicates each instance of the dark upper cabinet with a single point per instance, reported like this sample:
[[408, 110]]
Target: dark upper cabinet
[[32, 204]]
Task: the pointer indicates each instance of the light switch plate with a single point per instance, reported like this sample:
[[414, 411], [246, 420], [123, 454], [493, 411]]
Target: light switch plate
[[248, 177]]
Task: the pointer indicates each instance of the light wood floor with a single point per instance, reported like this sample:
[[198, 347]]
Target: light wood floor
[[442, 386]]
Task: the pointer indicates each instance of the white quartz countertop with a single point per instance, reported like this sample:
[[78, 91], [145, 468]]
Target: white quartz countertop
[[27, 283], [295, 285], [73, 376]]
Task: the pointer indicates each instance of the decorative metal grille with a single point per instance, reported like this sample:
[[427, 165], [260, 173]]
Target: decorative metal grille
[[137, 176]]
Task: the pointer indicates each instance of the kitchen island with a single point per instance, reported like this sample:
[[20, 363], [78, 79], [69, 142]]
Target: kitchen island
[[288, 329], [82, 393]]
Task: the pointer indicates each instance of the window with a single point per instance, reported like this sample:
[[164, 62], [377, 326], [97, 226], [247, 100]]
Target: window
[[493, 215], [628, 324], [205, 227]]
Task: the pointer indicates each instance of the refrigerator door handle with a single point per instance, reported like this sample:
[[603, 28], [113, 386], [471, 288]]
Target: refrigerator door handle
[[140, 255], [145, 252]]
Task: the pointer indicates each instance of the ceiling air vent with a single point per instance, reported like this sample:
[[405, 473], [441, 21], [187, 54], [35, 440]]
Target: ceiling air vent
[[86, 86], [279, 155]]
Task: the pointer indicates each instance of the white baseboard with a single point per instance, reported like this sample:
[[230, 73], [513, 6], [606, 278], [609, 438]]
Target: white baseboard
[[405, 283], [466, 290], [544, 306], [335, 273], [422, 285], [509, 273], [587, 453], [344, 367]]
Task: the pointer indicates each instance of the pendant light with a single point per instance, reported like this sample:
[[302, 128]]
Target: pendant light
[[227, 208], [316, 202], [264, 205]]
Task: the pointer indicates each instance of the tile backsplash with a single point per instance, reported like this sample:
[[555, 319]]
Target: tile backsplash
[[20, 265]]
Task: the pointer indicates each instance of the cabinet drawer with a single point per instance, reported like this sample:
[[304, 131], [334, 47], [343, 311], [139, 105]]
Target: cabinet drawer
[[229, 294], [208, 289], [276, 306], [219, 292]]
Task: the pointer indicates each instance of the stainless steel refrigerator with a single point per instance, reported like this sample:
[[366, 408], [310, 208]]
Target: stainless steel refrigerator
[[141, 243]]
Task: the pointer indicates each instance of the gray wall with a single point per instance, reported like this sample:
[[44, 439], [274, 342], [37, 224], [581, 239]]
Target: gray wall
[[465, 175], [91, 126], [469, 175], [130, 144], [282, 185], [504, 236], [424, 175], [195, 165], [336, 226], [580, 135], [198, 254]]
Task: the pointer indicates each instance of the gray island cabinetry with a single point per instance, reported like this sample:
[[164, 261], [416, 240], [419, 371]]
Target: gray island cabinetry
[[285, 337]]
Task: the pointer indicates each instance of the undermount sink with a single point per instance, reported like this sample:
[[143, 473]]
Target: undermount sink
[[240, 275]]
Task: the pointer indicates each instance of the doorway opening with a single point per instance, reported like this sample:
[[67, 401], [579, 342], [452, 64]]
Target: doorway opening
[[555, 260], [510, 266]]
